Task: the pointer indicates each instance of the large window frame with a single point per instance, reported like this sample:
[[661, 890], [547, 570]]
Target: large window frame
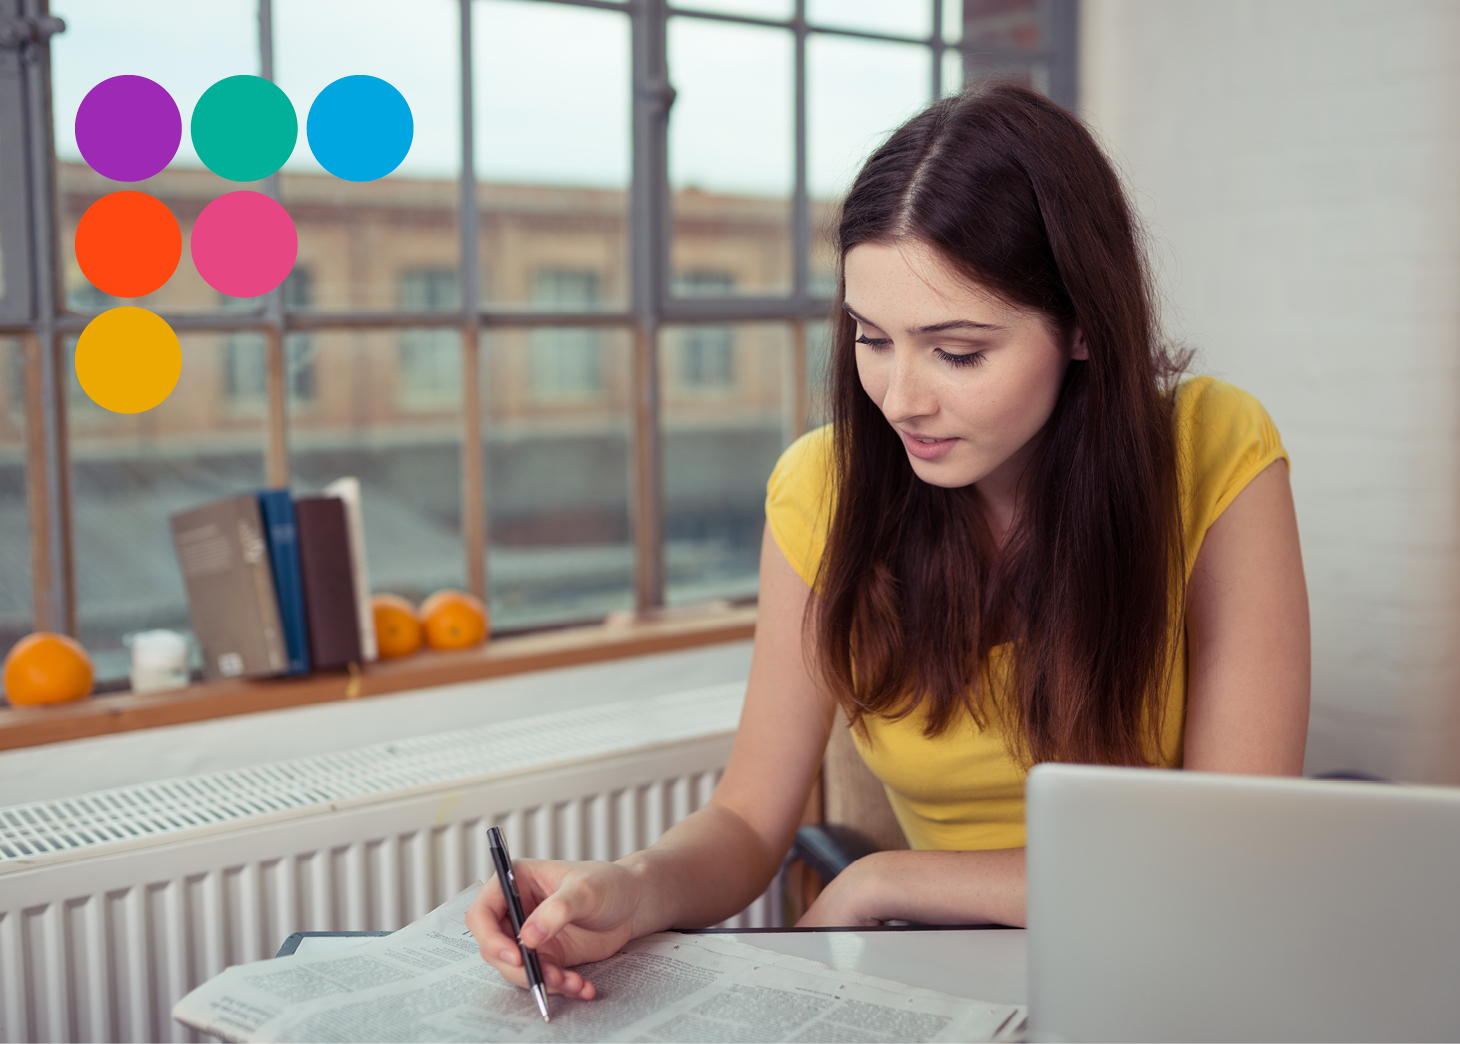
[[32, 309]]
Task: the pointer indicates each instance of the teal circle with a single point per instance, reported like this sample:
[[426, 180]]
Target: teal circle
[[360, 128], [244, 128]]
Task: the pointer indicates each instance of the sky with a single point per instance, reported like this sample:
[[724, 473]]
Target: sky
[[551, 82]]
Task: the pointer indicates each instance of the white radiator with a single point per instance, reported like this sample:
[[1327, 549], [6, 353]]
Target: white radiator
[[115, 904]]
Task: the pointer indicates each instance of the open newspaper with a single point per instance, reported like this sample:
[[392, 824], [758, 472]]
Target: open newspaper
[[427, 982]]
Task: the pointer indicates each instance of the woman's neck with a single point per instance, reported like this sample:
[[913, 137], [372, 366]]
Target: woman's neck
[[1000, 494]]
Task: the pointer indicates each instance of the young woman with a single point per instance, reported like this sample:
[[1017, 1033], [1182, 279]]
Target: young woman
[[1019, 540]]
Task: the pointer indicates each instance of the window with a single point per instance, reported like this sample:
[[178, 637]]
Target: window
[[567, 362], [660, 271], [707, 353], [15, 589], [430, 360], [244, 381]]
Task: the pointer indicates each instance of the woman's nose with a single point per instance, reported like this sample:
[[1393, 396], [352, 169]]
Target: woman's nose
[[909, 393]]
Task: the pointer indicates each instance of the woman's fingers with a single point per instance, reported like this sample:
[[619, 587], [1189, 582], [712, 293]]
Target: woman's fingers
[[486, 917], [569, 903], [567, 982]]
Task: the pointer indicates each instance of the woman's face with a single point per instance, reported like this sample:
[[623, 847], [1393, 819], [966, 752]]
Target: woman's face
[[966, 379]]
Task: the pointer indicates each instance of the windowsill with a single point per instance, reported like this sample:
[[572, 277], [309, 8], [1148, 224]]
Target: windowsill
[[123, 712]]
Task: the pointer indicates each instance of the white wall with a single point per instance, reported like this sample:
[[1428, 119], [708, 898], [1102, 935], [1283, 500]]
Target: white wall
[[1297, 163]]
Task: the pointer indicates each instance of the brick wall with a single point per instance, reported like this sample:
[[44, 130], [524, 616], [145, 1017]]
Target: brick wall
[[1298, 168]]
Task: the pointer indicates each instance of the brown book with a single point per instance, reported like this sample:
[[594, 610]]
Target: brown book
[[327, 568], [230, 586]]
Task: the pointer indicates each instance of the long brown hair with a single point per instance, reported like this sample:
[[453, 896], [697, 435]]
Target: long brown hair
[[912, 593]]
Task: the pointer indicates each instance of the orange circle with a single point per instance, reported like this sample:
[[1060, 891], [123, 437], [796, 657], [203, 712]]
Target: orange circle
[[128, 359], [454, 620], [128, 244], [47, 668], [397, 628]]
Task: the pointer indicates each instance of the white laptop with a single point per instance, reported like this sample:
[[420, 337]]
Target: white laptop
[[1190, 906]]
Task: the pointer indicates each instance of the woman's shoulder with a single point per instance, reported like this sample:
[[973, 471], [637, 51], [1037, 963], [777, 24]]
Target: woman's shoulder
[[798, 500], [1224, 438]]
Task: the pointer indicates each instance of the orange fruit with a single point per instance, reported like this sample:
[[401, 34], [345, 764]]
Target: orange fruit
[[397, 627], [454, 620], [47, 668]]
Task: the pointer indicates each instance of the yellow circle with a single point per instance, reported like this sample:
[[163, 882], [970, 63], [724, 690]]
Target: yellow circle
[[128, 360]]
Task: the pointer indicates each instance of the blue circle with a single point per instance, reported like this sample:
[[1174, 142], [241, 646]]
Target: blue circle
[[360, 128]]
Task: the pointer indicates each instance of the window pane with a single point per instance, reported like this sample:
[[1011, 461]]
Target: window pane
[[722, 436], [996, 27], [185, 47], [952, 72], [849, 114], [357, 238], [129, 473], [552, 149], [899, 17], [780, 9], [15, 591], [558, 444], [731, 143], [386, 408], [1012, 25], [953, 19]]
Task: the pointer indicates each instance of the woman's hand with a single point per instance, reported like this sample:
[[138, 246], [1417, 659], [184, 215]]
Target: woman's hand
[[576, 913], [853, 898]]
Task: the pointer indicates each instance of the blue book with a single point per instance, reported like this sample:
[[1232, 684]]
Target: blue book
[[277, 507]]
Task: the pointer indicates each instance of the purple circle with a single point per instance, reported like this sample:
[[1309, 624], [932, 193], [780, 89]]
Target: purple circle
[[128, 128]]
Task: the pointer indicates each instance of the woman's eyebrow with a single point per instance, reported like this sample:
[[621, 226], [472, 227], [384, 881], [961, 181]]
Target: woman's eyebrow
[[951, 324], [957, 324]]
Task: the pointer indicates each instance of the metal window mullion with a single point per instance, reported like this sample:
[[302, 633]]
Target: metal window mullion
[[53, 561], [793, 383], [473, 471], [276, 364], [649, 252]]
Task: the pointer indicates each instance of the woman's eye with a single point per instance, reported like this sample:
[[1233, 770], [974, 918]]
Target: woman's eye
[[959, 358], [872, 342]]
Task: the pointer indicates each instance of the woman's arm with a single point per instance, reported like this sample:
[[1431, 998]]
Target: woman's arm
[[711, 864], [1248, 648], [925, 887]]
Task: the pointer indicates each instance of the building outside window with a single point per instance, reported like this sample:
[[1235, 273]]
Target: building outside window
[[566, 362]]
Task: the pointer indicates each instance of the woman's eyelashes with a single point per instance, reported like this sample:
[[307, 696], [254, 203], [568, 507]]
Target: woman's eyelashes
[[959, 358], [955, 358]]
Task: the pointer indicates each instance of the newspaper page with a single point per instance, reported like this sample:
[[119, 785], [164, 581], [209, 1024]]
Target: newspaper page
[[427, 982]]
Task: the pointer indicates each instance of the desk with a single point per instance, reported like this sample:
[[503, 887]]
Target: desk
[[985, 964]]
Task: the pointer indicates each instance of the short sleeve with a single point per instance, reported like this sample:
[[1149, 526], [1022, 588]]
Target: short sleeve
[[1224, 439], [798, 501]]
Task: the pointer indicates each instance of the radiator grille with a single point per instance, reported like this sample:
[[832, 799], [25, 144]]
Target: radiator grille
[[303, 784], [122, 901]]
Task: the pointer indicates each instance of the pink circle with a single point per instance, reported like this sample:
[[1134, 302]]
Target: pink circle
[[244, 244]]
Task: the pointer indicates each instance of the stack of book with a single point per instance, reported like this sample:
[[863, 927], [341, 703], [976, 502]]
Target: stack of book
[[277, 584]]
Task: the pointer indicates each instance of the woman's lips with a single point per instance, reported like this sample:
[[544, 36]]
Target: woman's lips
[[925, 447]]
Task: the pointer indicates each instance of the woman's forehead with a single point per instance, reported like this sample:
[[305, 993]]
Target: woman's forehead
[[909, 284]]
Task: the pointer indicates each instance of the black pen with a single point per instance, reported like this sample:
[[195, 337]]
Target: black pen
[[508, 883]]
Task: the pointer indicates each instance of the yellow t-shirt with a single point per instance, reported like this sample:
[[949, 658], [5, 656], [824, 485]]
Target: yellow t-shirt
[[963, 789]]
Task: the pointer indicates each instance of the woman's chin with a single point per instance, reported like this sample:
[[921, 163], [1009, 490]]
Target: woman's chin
[[945, 472]]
